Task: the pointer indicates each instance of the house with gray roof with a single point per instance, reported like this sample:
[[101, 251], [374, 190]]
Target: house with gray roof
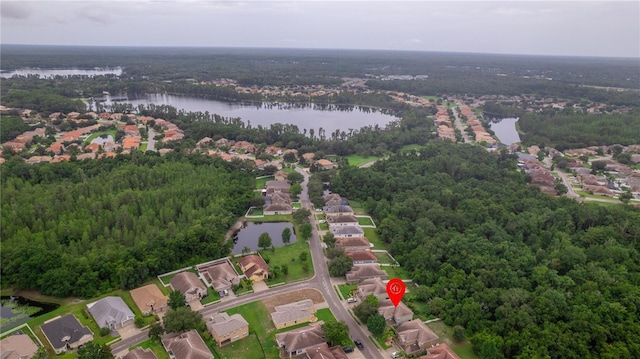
[[394, 315], [332, 211], [372, 286], [365, 271], [296, 342], [286, 315], [66, 333], [277, 208], [227, 329], [342, 220], [346, 231], [187, 345], [111, 312]]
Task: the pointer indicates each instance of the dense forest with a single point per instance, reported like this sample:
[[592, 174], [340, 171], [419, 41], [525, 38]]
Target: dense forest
[[83, 228], [526, 275], [569, 128]]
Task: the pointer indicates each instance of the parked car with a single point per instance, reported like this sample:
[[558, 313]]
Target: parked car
[[395, 355], [351, 300], [347, 349], [358, 343]]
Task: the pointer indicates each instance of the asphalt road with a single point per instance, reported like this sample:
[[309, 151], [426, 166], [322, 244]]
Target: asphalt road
[[320, 281]]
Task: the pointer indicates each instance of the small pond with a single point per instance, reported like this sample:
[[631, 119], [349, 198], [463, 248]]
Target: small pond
[[102, 140], [505, 130], [248, 235], [17, 310]]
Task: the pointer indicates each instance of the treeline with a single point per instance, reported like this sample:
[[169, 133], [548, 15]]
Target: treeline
[[42, 101], [84, 228], [569, 128], [11, 125], [526, 275]]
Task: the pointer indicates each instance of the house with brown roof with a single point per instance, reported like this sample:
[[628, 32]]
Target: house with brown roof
[[227, 329], [342, 220], [187, 345], [61, 158], [286, 315], [277, 208], [332, 211], [189, 285], [440, 351], [362, 257], [332, 199], [277, 186], [414, 337], [66, 333], [346, 231], [394, 315], [17, 346], [129, 143], [56, 148], [93, 147], [219, 275], [323, 351], [353, 243], [365, 271], [372, 286], [295, 342], [139, 353], [149, 299], [244, 146], [280, 176], [39, 159], [308, 157], [326, 164], [277, 197], [254, 267]]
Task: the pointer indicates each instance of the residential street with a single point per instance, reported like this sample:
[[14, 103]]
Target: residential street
[[320, 281]]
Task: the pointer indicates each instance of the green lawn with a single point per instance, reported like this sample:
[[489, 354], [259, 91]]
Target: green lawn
[[410, 147], [288, 170], [445, 332], [321, 216], [325, 315], [372, 236], [256, 212], [274, 218], [264, 345], [323, 226], [357, 207], [211, 297], [383, 258], [396, 272], [143, 147], [248, 347], [365, 221], [167, 278], [346, 289], [296, 205], [289, 255], [357, 160]]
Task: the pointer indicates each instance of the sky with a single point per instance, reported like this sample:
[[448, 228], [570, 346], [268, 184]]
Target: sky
[[565, 28]]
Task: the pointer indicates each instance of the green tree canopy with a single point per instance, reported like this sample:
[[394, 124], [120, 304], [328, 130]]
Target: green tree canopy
[[181, 319], [176, 299], [376, 324], [335, 332], [264, 240], [92, 350]]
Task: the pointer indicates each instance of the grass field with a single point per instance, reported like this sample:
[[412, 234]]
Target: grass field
[[383, 258], [260, 345], [260, 182], [346, 289], [396, 272], [289, 255], [445, 332], [211, 297], [365, 221], [155, 346], [372, 236], [357, 207], [357, 160]]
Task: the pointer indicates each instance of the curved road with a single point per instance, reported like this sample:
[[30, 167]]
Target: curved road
[[320, 281]]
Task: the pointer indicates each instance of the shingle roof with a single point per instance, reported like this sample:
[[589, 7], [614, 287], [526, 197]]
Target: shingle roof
[[366, 271], [149, 296], [343, 219], [302, 338], [278, 207], [372, 286], [337, 209], [390, 311], [258, 264], [224, 324], [352, 242], [221, 275], [139, 353], [292, 311], [414, 332], [17, 346], [63, 330], [188, 345], [346, 230], [361, 256], [109, 311], [185, 281]]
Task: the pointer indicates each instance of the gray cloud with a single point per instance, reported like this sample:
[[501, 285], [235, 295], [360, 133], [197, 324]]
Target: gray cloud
[[15, 10]]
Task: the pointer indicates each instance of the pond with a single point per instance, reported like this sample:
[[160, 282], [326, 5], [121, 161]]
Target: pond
[[51, 73], [102, 140], [505, 130], [248, 235], [306, 116], [17, 310]]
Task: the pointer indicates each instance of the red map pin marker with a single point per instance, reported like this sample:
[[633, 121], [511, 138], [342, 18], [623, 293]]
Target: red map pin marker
[[395, 290]]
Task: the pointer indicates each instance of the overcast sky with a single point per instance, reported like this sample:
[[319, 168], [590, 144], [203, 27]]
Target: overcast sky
[[581, 28]]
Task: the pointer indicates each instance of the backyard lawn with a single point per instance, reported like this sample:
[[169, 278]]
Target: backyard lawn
[[289, 255], [372, 236], [365, 221], [357, 160], [445, 332], [346, 289], [97, 134], [260, 182], [383, 258], [396, 272], [155, 346]]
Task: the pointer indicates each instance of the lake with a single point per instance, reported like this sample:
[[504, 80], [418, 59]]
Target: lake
[[49, 73], [310, 116], [505, 130], [248, 235], [17, 310]]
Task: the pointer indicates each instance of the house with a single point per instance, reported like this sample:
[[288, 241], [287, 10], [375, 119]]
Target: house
[[362, 257], [244, 146], [39, 159], [219, 275], [17, 346], [332, 199], [394, 315], [139, 353], [111, 312], [56, 148], [273, 150], [342, 220], [440, 351], [204, 142], [223, 142], [352, 243], [277, 208], [254, 267], [286, 315], [296, 342], [277, 197], [66, 333], [372, 286], [326, 164], [332, 211], [149, 299], [323, 351], [280, 176], [129, 143], [365, 271], [347, 231], [189, 285], [227, 329], [414, 336], [308, 157], [277, 186], [187, 345]]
